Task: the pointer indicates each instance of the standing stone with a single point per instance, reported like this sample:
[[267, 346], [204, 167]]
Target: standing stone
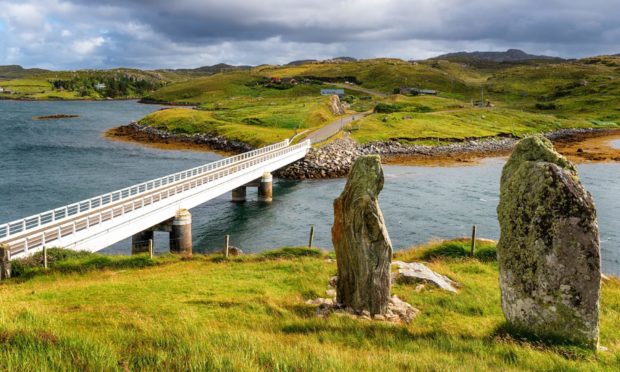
[[548, 252], [361, 241]]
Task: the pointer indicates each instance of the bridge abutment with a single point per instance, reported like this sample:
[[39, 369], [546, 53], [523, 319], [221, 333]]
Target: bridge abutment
[[181, 233], [265, 188], [238, 194], [140, 241]]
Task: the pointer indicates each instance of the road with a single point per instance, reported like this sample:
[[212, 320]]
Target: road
[[332, 128]]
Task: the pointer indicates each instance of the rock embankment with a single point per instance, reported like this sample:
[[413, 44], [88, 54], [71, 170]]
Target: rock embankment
[[335, 159], [145, 133], [330, 161]]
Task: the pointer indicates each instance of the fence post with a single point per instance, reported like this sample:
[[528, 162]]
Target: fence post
[[45, 257], [226, 242], [311, 236], [151, 250], [5, 262], [472, 252]]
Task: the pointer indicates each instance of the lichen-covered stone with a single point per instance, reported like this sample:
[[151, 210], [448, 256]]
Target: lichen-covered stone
[[361, 241], [548, 252]]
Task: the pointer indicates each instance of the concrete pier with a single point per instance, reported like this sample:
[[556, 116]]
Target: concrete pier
[[265, 193], [5, 262], [140, 242], [181, 234], [238, 194]]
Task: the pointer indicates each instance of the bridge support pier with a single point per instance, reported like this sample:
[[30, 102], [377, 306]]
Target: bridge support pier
[[140, 241], [238, 194], [5, 262], [181, 234], [265, 193]]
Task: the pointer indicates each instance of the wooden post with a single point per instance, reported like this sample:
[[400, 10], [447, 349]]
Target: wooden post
[[151, 250], [311, 236], [5, 262], [472, 253], [45, 257], [226, 241]]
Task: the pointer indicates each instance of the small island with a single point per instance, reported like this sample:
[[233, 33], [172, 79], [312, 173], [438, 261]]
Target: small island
[[55, 116]]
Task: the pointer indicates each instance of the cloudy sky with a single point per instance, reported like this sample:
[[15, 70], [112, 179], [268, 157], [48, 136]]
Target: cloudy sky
[[69, 34]]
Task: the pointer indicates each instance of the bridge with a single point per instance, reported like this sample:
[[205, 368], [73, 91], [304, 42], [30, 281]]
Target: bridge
[[159, 204]]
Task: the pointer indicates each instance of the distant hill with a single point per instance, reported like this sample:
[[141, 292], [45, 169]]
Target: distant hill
[[301, 62], [344, 59], [17, 71], [209, 70], [331, 60], [511, 55]]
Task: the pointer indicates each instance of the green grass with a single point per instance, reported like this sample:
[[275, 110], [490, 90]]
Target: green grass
[[249, 313], [257, 121], [457, 124]]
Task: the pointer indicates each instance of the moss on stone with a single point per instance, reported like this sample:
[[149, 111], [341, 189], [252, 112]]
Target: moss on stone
[[548, 250]]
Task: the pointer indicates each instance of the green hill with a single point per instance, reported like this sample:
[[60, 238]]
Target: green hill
[[260, 104], [524, 96]]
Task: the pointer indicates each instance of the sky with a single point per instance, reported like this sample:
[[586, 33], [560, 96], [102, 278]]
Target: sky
[[73, 34]]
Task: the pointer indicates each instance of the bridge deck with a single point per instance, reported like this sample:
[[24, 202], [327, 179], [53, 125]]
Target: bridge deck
[[98, 222]]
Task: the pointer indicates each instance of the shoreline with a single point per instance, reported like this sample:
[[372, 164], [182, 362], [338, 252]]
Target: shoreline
[[25, 99], [156, 138], [333, 160], [579, 146]]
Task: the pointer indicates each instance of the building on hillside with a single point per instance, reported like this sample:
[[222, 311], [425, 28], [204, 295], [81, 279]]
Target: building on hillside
[[99, 86], [331, 92], [1, 90], [417, 91]]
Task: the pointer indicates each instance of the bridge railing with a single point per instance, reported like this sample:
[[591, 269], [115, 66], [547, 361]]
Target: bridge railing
[[60, 229], [75, 209]]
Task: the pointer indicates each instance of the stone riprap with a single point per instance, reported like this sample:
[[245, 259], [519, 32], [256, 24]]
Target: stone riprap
[[361, 242], [548, 252], [335, 159]]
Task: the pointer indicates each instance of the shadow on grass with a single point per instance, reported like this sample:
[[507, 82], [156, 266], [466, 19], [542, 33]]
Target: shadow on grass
[[67, 261], [485, 251], [554, 343]]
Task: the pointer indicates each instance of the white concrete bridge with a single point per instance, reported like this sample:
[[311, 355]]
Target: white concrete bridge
[[99, 222]]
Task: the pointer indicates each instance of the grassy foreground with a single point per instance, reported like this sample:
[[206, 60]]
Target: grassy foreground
[[249, 313]]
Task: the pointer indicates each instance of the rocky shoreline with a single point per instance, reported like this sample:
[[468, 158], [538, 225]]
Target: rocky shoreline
[[145, 133], [335, 159]]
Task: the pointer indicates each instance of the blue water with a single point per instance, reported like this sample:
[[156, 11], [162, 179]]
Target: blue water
[[46, 164]]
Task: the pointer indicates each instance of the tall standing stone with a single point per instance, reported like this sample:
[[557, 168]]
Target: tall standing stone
[[548, 252], [361, 241]]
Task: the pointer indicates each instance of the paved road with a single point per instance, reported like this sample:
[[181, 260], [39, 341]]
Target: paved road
[[332, 128]]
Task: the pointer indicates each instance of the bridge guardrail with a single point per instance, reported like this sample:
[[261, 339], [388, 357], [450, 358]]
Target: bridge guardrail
[[59, 231], [75, 209]]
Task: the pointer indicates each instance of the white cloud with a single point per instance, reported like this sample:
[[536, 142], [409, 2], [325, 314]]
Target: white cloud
[[87, 46], [190, 33]]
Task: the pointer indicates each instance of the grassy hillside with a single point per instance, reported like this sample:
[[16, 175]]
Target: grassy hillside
[[527, 97], [265, 103], [254, 120], [82, 84], [249, 313]]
